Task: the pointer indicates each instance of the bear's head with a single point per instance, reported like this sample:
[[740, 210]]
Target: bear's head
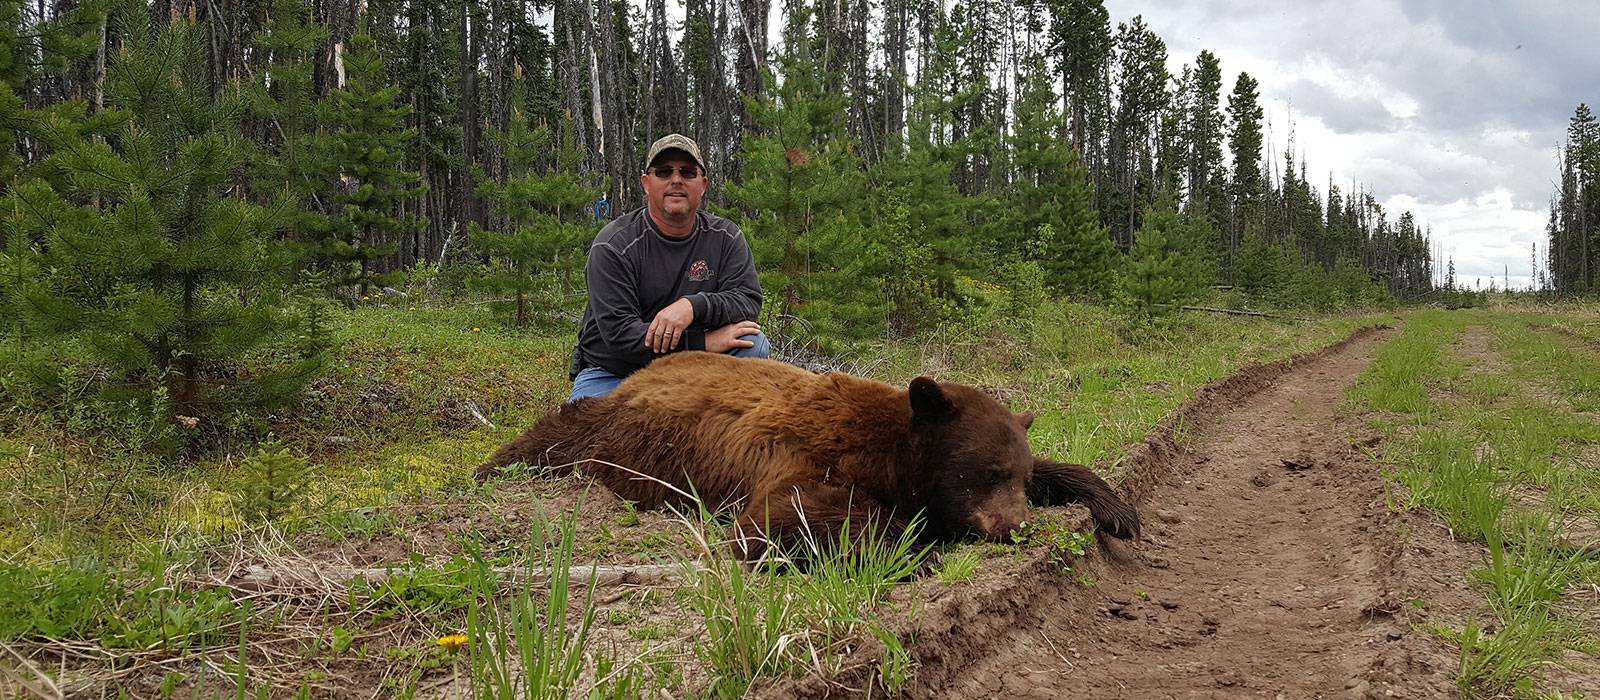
[[975, 461]]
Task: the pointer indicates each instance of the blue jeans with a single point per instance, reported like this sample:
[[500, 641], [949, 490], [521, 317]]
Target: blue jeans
[[594, 381]]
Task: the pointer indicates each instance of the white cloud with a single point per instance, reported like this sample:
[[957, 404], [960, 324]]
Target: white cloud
[[1487, 235], [1451, 109]]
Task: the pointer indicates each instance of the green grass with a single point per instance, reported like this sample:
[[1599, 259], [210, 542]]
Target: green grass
[[1400, 377], [1499, 663], [387, 422], [521, 649], [956, 567], [1062, 545], [1491, 445], [1094, 383], [1564, 363], [771, 620]]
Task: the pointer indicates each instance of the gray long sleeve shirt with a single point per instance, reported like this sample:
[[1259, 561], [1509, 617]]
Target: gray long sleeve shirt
[[634, 271]]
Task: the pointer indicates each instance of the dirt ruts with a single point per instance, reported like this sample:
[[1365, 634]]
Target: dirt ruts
[[1272, 567]]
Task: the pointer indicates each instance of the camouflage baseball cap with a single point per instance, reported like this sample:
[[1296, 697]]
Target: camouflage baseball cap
[[678, 141]]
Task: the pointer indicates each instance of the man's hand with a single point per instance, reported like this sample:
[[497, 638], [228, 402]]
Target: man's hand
[[731, 336], [666, 329]]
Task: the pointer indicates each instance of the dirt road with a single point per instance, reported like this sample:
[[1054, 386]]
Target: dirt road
[[1272, 567]]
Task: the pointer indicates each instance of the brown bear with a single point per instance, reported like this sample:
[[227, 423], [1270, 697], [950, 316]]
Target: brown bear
[[799, 453]]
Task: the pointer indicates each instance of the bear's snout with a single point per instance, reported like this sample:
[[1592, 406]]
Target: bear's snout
[[998, 515], [995, 527]]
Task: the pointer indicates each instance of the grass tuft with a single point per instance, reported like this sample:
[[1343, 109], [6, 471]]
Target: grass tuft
[[520, 648]]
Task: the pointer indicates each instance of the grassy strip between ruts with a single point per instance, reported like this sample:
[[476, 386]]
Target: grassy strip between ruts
[[145, 537], [1483, 434]]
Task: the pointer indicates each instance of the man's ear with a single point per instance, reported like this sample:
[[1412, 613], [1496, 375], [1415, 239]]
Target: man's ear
[[1025, 420], [928, 401]]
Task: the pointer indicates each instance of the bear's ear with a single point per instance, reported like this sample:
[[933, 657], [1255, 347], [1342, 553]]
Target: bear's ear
[[1025, 420], [928, 401]]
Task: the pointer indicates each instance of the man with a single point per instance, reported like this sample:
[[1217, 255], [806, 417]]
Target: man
[[665, 278]]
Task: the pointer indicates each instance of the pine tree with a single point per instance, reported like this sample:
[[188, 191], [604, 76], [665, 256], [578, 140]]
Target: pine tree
[[1574, 247], [1300, 220], [367, 157], [917, 188], [1244, 139], [290, 155], [30, 49], [166, 277], [1142, 97], [1080, 36], [800, 182], [920, 185], [1207, 186], [272, 484], [977, 105], [20, 232], [1172, 162], [1263, 270], [1167, 266], [14, 71], [294, 151], [901, 263], [18, 254], [1050, 205], [423, 59], [1408, 267], [540, 210]]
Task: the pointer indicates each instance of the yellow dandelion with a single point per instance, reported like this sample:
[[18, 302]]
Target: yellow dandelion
[[366, 298], [413, 308], [453, 641], [475, 329]]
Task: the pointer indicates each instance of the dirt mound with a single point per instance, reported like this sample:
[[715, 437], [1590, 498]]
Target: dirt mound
[[1272, 567]]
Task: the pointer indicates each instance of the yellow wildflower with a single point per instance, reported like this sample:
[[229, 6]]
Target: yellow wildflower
[[413, 308], [475, 329], [453, 641]]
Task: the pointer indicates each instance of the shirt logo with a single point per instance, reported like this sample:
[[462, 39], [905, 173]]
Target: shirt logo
[[699, 271]]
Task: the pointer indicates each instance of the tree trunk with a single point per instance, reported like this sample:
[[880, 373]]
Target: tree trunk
[[468, 45], [596, 112], [100, 67], [573, 59], [497, 36], [896, 40], [752, 54], [862, 124], [606, 50]]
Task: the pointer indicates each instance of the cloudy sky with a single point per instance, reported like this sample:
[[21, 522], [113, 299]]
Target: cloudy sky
[[1452, 109]]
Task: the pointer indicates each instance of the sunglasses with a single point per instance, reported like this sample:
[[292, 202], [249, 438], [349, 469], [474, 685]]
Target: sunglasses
[[664, 172]]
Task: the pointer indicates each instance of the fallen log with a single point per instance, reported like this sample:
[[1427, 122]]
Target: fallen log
[[1235, 312]]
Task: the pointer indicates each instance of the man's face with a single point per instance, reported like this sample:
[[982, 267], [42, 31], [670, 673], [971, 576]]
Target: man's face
[[674, 196]]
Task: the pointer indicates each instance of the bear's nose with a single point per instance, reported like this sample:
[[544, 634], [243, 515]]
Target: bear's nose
[[1003, 529], [983, 523], [995, 527]]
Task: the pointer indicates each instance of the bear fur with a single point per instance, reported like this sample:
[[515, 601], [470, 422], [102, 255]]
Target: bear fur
[[797, 454]]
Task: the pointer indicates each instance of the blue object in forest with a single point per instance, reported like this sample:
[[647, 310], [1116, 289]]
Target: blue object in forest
[[602, 208]]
